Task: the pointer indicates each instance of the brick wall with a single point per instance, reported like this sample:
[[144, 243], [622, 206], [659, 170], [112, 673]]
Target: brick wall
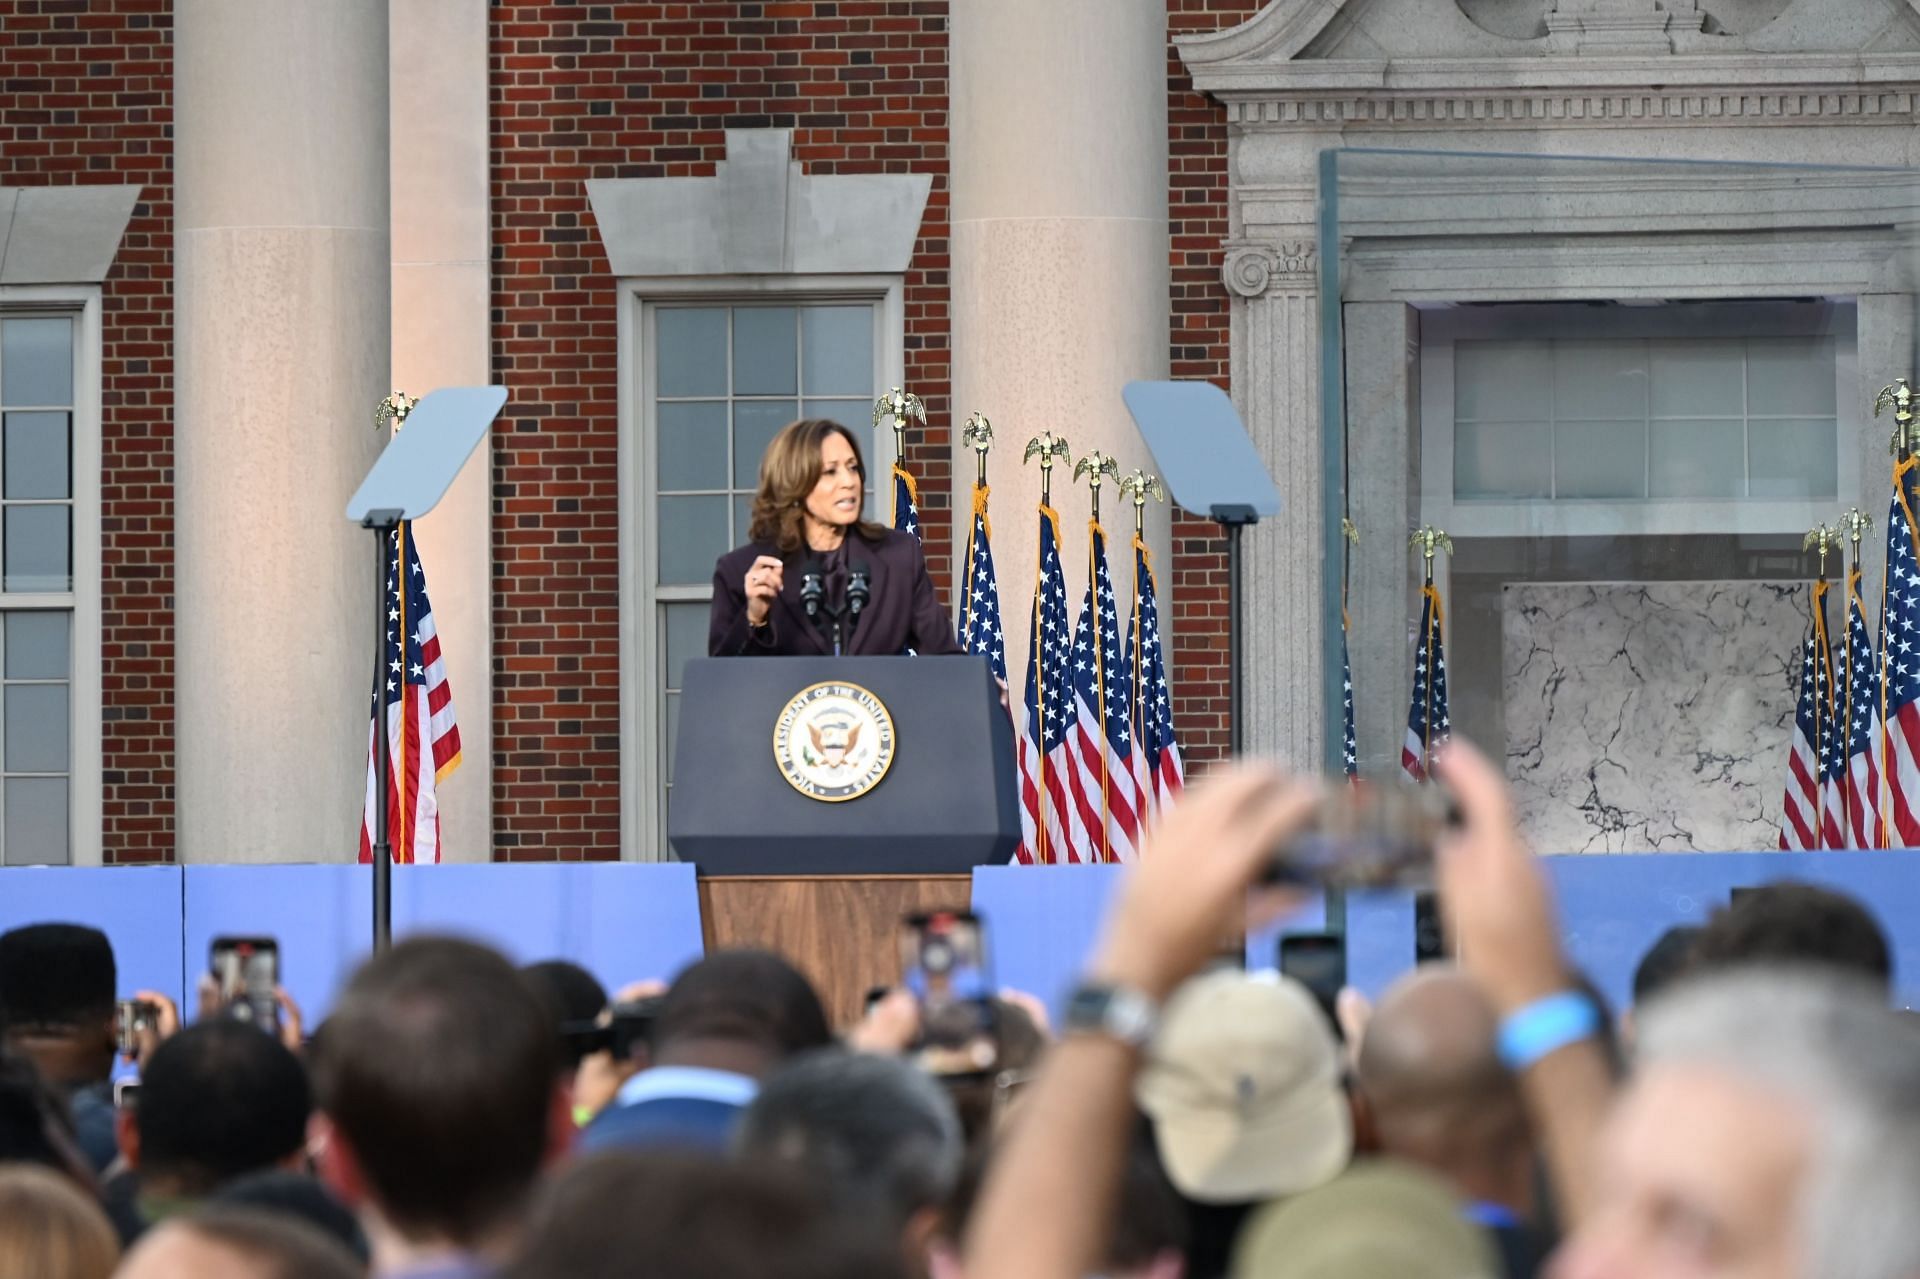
[[582, 91], [1197, 209], [86, 96]]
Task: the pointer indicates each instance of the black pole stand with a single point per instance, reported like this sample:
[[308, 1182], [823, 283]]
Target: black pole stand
[[1233, 520], [382, 523]]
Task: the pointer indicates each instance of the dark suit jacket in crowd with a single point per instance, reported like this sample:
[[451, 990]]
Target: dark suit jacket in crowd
[[902, 610]]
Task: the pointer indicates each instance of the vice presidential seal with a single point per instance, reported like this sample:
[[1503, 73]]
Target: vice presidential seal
[[833, 742]]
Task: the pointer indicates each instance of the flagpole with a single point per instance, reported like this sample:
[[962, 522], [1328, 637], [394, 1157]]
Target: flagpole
[[1429, 539], [1095, 465], [1821, 539], [1856, 521], [1046, 446], [898, 406], [1900, 396]]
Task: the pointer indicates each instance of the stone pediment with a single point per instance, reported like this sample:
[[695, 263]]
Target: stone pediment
[[1305, 44]]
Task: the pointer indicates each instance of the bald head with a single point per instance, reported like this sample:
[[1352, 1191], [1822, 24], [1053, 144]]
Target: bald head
[[1435, 1090]]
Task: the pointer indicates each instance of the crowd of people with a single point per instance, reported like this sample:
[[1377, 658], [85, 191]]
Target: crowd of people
[[1756, 1112]]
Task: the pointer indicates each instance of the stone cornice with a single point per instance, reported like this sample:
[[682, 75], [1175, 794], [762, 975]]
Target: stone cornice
[[1593, 106]]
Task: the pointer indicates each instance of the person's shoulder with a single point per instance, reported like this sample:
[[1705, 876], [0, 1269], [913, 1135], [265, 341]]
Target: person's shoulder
[[897, 544]]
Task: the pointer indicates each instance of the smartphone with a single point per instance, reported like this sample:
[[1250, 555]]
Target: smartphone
[[126, 1094], [1317, 961], [130, 1017], [944, 962], [247, 972], [1367, 836], [1429, 931]]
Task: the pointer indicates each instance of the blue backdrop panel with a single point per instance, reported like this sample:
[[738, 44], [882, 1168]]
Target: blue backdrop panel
[[620, 921], [137, 907], [1041, 922]]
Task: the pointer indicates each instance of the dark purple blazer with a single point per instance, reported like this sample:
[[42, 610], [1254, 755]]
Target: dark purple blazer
[[902, 610]]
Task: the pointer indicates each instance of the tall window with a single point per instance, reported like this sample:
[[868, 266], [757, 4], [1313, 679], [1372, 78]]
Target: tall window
[[724, 378], [37, 412]]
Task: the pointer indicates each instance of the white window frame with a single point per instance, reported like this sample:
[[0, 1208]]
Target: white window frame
[[1441, 329], [84, 795], [643, 835]]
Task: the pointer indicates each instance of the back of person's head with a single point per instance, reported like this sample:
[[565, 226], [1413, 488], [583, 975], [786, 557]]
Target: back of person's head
[[297, 1195], [621, 1214], [741, 997], [876, 1133], [1433, 1086], [437, 1070], [1665, 961], [50, 1230], [218, 1100], [1794, 923], [56, 976], [1824, 1040], [239, 1242], [1378, 1220], [576, 994]]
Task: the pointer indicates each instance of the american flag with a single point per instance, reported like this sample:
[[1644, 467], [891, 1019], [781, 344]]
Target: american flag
[[1049, 823], [1428, 723], [1157, 772], [1899, 731], [1860, 691], [906, 501], [1105, 789], [980, 603], [1814, 767], [421, 730], [1350, 751]]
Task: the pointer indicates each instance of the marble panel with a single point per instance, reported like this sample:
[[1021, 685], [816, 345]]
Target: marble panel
[[1652, 717]]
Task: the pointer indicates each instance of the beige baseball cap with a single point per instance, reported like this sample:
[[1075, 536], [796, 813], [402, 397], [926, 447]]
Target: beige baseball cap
[[1243, 1087], [1378, 1220]]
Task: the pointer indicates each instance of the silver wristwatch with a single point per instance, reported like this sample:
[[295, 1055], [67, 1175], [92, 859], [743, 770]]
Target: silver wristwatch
[[1117, 1012]]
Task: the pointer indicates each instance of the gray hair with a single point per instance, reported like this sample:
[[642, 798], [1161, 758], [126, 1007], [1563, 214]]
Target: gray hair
[[1830, 1042], [880, 1134]]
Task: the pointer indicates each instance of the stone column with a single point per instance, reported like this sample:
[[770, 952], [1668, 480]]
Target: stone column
[[281, 287], [1060, 275], [440, 299]]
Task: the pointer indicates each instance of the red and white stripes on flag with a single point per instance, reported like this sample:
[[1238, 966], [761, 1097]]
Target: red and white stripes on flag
[[422, 732], [1897, 741], [1106, 789], [1812, 803], [1860, 722], [1050, 826]]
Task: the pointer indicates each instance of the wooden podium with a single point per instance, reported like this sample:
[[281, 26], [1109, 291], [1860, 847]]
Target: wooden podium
[[824, 878], [840, 930]]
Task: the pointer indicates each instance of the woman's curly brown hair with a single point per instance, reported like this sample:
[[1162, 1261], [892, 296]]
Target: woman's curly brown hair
[[788, 472]]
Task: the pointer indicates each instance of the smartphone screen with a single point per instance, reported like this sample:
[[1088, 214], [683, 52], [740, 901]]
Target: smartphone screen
[[1317, 961], [126, 1094], [943, 957], [247, 971]]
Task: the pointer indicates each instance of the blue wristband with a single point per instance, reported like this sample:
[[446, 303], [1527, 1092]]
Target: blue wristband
[[1545, 1027]]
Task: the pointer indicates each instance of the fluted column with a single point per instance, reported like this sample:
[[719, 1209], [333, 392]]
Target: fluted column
[[1060, 275], [281, 288]]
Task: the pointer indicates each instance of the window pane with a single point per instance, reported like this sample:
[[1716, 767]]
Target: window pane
[[1790, 376], [37, 645], [1502, 381], [763, 350], [686, 636], [693, 534], [1599, 379], [857, 414], [742, 519], [35, 549], [836, 350], [1500, 459], [691, 355], [1792, 457], [1600, 459], [36, 829], [1699, 378], [693, 445], [36, 361], [36, 461], [1702, 458], [36, 726], [673, 732], [755, 423]]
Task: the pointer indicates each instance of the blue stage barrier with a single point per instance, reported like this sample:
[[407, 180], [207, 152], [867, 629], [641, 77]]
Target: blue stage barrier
[[137, 907], [1041, 922]]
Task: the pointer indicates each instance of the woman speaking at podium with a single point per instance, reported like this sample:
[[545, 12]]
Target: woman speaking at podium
[[817, 577]]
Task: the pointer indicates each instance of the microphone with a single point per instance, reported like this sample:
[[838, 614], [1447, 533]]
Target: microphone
[[812, 590], [856, 593]]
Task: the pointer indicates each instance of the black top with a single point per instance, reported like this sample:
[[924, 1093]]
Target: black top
[[902, 610]]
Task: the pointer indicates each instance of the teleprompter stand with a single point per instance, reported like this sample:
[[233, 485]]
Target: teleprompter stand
[[1211, 468], [413, 474]]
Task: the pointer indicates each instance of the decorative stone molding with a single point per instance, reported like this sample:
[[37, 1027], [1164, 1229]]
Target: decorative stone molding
[[1253, 270], [1882, 107], [760, 215], [62, 235]]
